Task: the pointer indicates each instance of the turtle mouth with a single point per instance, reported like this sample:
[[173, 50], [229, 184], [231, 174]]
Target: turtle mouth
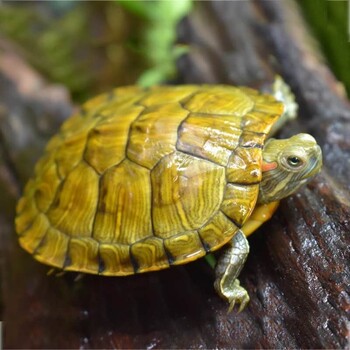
[[315, 164], [300, 182]]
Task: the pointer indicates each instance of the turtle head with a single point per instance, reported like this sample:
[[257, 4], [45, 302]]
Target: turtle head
[[288, 164]]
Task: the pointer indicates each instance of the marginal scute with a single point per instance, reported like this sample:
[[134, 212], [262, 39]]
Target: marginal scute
[[258, 121], [239, 202], [218, 231], [28, 192], [186, 192], [27, 212], [51, 146], [153, 135], [267, 104], [222, 100], [252, 93], [70, 125], [116, 259], [95, 103], [70, 152], [46, 161], [124, 205], [266, 112], [171, 94], [82, 255], [244, 166], [250, 139], [106, 143], [123, 104], [75, 126], [130, 91], [31, 238], [46, 186], [185, 246], [73, 209], [53, 248], [212, 137], [149, 255]]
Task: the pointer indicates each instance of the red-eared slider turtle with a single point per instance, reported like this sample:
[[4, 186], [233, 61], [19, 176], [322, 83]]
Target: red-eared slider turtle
[[143, 179]]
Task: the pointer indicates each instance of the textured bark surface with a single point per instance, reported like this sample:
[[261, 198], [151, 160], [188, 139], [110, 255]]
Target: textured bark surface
[[297, 273]]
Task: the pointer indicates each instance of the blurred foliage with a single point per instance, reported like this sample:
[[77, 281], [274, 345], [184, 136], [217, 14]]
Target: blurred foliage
[[46, 47], [93, 46], [86, 46], [330, 22], [156, 38]]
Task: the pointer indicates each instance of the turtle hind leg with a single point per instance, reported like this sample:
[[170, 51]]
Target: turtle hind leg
[[227, 270]]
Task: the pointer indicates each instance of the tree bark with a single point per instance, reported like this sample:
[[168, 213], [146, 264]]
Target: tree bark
[[297, 273]]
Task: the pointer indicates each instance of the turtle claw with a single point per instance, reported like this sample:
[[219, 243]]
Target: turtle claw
[[236, 295]]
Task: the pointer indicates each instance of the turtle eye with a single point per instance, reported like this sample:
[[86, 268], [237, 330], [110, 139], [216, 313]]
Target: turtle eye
[[294, 161]]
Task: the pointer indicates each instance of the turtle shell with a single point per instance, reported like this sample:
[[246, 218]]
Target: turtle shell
[[142, 179]]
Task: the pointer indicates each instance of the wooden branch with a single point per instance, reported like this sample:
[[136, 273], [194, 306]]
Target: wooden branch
[[300, 268]]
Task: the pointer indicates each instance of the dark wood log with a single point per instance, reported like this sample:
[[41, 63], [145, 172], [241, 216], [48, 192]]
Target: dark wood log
[[297, 273]]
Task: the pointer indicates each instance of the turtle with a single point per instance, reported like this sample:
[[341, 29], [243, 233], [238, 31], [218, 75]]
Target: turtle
[[142, 179]]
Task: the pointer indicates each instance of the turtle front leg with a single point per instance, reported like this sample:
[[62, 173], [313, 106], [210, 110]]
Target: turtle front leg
[[227, 270]]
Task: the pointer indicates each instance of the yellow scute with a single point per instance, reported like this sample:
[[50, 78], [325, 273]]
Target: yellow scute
[[73, 209], [186, 192], [124, 205]]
